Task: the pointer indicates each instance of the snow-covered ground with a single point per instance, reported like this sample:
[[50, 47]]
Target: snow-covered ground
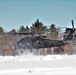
[[38, 65]]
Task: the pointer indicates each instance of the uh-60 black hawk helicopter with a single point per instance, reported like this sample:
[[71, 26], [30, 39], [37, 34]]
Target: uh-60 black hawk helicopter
[[38, 42]]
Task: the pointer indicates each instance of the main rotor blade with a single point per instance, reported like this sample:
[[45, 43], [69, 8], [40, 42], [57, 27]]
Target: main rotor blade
[[24, 33], [29, 33], [72, 24]]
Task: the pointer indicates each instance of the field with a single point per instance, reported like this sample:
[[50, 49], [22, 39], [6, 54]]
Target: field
[[38, 65]]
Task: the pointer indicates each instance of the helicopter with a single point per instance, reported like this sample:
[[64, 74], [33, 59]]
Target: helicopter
[[38, 42]]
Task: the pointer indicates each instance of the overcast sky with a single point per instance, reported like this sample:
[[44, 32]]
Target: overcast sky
[[14, 13]]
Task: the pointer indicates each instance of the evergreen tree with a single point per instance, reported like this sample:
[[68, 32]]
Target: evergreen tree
[[22, 29], [13, 31], [1, 30], [54, 31], [38, 26]]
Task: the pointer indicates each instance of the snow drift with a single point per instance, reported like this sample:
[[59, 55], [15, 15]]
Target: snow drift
[[33, 64]]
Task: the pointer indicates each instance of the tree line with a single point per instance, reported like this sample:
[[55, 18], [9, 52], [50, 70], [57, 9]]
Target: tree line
[[37, 26]]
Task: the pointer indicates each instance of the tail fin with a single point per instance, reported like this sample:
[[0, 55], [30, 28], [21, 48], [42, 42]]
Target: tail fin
[[70, 36]]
